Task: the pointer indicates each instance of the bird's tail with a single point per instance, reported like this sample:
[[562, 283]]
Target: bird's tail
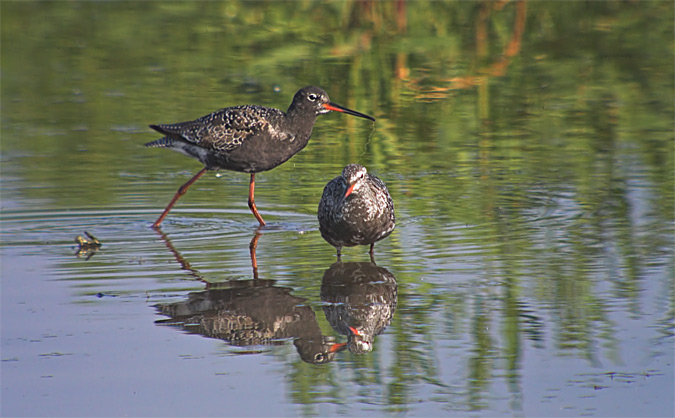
[[165, 142]]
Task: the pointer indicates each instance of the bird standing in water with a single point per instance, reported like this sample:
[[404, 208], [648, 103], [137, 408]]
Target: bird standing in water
[[355, 209], [249, 139]]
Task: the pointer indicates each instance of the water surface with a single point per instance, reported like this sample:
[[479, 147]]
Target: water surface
[[528, 148]]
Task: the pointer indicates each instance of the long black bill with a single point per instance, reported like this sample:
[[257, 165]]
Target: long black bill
[[338, 108]]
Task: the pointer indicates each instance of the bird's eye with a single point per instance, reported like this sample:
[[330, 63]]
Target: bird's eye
[[312, 97], [318, 357]]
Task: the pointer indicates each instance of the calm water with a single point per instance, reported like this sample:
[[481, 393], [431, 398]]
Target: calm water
[[528, 148]]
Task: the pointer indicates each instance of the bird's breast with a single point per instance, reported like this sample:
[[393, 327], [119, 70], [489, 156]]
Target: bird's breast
[[263, 152]]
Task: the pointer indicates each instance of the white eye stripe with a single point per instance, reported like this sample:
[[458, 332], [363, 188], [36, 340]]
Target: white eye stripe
[[312, 97]]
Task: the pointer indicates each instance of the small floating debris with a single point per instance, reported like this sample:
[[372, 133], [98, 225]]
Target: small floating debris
[[87, 246]]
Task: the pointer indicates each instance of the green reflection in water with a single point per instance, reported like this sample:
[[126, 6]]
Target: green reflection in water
[[543, 153]]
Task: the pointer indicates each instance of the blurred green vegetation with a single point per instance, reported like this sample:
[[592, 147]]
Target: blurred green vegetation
[[529, 142]]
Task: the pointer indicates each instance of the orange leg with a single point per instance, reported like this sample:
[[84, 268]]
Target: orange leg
[[251, 202], [181, 191]]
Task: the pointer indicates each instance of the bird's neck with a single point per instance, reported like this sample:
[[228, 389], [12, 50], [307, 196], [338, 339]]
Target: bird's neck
[[302, 124], [294, 114]]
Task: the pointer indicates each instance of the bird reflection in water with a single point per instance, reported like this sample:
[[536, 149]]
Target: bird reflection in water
[[249, 313], [359, 301]]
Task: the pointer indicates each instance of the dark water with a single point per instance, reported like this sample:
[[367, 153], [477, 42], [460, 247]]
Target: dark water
[[528, 148]]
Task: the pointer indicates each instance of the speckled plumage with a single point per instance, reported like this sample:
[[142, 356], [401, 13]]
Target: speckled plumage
[[359, 301], [355, 209], [251, 313], [248, 139]]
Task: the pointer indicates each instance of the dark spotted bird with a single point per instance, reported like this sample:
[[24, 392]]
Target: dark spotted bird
[[249, 139], [355, 209]]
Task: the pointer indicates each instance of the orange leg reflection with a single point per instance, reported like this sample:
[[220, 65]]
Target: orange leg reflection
[[252, 247]]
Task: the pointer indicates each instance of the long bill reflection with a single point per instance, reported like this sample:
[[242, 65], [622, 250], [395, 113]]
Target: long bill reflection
[[249, 313], [359, 302]]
